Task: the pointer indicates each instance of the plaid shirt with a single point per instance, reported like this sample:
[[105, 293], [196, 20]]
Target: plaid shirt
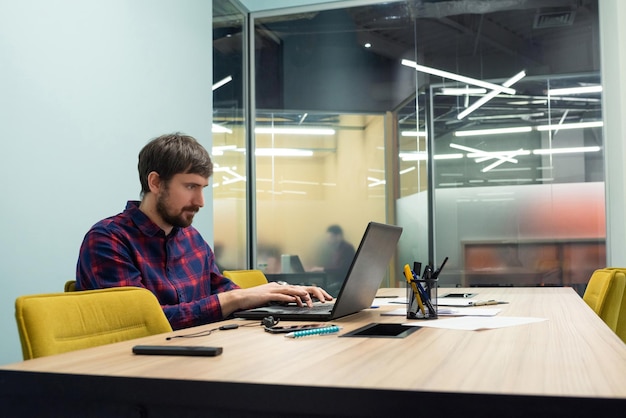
[[129, 249]]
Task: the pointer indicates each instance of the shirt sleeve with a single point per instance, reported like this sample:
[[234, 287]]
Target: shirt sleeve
[[203, 310]]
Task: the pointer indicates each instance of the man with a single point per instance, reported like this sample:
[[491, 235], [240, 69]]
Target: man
[[336, 258], [153, 245]]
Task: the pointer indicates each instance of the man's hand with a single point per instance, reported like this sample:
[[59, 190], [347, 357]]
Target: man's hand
[[256, 296]]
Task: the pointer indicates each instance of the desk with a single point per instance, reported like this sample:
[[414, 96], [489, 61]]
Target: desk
[[570, 365]]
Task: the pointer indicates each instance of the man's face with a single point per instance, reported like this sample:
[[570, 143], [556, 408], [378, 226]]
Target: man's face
[[181, 198]]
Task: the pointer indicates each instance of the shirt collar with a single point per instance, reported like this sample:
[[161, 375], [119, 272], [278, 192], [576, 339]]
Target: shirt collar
[[144, 223]]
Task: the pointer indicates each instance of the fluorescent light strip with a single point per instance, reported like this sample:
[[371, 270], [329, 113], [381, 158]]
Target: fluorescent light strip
[[282, 152], [508, 83], [574, 150], [218, 129], [222, 82], [294, 131], [414, 133], [518, 129], [575, 90], [422, 156], [448, 91], [457, 77], [220, 149], [509, 116], [579, 125]]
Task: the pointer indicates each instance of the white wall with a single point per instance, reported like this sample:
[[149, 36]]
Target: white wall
[[83, 86]]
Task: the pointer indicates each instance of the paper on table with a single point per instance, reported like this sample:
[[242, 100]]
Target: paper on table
[[475, 323], [385, 301], [445, 311]]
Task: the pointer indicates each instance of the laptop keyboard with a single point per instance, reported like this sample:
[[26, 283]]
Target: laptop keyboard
[[316, 308]]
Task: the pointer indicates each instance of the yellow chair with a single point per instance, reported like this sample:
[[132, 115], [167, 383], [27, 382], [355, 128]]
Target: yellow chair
[[56, 323], [246, 278], [605, 295], [70, 286], [620, 328]]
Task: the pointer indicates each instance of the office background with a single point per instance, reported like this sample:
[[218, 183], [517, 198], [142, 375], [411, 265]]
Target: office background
[[85, 84]]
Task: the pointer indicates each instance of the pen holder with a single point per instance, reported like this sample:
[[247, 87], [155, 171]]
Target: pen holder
[[423, 304]]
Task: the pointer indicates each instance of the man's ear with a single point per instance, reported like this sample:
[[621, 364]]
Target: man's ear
[[154, 182]]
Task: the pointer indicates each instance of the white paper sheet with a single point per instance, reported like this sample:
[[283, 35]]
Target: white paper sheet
[[475, 323]]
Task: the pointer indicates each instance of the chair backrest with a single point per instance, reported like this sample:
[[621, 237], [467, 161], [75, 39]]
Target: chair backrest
[[70, 286], [605, 295], [620, 328], [55, 323], [246, 278]]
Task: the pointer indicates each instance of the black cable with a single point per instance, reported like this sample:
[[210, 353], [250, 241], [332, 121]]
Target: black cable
[[208, 332]]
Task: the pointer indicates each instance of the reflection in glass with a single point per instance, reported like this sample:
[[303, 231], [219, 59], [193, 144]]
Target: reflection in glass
[[507, 183]]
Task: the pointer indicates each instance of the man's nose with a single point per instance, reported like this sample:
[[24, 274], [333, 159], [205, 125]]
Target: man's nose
[[199, 199]]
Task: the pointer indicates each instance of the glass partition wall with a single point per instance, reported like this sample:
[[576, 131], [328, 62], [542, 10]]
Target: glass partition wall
[[229, 181], [443, 117]]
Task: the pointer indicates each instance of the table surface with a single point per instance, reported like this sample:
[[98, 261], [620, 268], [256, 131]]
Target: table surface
[[571, 354]]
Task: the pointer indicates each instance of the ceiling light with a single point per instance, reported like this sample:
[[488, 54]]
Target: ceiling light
[[219, 150], [423, 156], [508, 83], [457, 77], [413, 133], [510, 116], [294, 131], [520, 129], [282, 152], [574, 150], [218, 129], [222, 82], [575, 90], [448, 91], [579, 125], [495, 131]]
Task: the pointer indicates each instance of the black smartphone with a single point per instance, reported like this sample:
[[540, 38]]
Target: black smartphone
[[292, 328], [177, 350], [459, 295]]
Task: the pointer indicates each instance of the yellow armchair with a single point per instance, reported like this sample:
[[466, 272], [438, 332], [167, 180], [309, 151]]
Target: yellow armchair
[[246, 278], [70, 286], [55, 323], [605, 294]]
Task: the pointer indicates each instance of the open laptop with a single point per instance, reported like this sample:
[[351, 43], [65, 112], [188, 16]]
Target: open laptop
[[291, 264], [359, 288]]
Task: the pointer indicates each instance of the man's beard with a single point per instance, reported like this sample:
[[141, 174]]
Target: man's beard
[[181, 220]]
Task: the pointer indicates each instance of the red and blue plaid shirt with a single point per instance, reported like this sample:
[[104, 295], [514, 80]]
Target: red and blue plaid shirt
[[129, 249]]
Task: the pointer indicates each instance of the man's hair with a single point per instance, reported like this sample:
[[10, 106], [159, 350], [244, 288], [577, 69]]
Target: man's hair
[[335, 230], [172, 154]]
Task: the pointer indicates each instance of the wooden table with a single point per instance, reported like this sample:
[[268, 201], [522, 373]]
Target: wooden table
[[570, 364]]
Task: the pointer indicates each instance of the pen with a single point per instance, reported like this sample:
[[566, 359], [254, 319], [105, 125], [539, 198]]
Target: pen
[[488, 302], [314, 331], [409, 278], [417, 268], [436, 274]]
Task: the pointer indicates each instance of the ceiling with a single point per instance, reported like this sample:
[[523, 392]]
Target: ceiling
[[489, 40]]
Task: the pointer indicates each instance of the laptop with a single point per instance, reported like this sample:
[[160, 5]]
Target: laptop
[[291, 264], [366, 272]]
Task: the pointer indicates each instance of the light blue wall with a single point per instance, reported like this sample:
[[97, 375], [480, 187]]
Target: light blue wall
[[83, 86]]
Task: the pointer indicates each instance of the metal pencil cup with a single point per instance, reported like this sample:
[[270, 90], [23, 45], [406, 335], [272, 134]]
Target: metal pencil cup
[[427, 309]]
